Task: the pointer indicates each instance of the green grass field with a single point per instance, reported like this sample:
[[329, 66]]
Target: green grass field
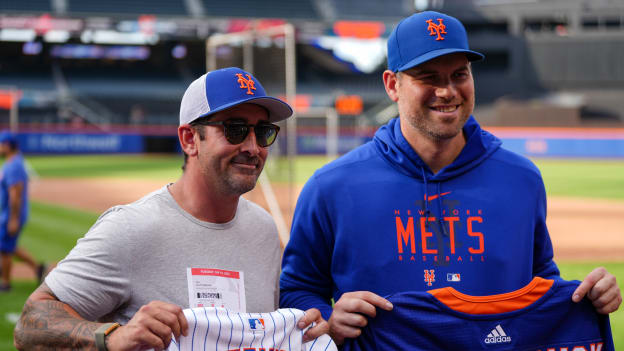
[[583, 178], [116, 166], [52, 230]]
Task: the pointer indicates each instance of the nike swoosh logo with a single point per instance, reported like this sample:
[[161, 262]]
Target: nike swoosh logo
[[433, 197]]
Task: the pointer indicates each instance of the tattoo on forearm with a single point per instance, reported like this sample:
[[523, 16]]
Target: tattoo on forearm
[[52, 325]]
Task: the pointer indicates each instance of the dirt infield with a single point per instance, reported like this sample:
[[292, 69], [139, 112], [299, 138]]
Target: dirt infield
[[581, 229]]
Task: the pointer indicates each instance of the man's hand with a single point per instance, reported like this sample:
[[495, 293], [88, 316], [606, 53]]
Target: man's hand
[[313, 315], [350, 312], [602, 289], [150, 327]]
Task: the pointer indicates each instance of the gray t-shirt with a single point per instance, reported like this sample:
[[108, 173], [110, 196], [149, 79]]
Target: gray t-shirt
[[140, 252]]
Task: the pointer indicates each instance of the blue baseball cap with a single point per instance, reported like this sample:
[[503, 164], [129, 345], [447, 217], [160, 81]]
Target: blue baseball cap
[[424, 36], [225, 88], [6, 136]]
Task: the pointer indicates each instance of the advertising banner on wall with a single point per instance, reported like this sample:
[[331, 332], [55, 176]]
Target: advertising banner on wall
[[46, 143]]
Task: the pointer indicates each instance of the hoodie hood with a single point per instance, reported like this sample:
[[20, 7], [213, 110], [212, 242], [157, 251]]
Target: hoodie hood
[[394, 148]]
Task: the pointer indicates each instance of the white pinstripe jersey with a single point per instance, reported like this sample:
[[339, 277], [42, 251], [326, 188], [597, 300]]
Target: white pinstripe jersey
[[217, 329]]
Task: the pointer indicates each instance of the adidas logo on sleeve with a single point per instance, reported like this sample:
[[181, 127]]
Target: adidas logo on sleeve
[[218, 329], [539, 317]]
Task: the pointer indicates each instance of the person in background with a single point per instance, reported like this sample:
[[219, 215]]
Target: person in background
[[14, 210]]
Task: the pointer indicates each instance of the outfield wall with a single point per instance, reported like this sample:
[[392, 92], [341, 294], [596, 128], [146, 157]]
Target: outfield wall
[[95, 143], [563, 142], [542, 142], [531, 142]]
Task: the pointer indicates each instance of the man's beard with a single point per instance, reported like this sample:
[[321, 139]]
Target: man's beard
[[236, 186]]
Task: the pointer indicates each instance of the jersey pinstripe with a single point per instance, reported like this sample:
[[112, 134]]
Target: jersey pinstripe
[[217, 329], [539, 317]]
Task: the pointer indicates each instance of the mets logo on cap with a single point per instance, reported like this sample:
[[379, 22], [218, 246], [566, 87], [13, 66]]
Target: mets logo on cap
[[436, 29], [425, 36], [246, 83]]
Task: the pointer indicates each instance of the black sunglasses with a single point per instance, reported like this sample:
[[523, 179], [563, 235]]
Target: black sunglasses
[[236, 131]]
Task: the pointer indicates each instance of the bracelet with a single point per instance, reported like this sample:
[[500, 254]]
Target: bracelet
[[102, 332]]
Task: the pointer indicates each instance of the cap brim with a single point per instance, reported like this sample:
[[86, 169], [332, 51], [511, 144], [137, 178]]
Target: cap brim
[[278, 109], [471, 55]]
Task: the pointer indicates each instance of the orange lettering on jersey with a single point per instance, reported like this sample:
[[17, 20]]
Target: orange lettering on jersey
[[405, 235], [246, 83], [424, 234], [596, 347], [471, 232], [436, 29], [451, 221], [579, 348]]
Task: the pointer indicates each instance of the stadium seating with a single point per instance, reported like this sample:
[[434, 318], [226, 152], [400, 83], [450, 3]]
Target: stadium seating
[[26, 6], [294, 9], [134, 7], [357, 9], [519, 45]]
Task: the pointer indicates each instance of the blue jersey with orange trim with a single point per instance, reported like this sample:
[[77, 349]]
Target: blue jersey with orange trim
[[539, 317], [378, 219]]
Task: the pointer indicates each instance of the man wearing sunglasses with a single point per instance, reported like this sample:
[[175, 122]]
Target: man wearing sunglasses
[[124, 285]]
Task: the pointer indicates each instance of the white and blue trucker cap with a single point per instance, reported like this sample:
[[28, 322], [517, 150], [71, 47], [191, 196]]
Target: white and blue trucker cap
[[225, 88]]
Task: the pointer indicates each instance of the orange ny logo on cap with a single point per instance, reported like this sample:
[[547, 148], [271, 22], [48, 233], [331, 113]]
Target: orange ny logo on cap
[[436, 29], [246, 83]]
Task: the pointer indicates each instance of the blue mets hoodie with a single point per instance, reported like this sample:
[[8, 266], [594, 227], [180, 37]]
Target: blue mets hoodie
[[378, 219]]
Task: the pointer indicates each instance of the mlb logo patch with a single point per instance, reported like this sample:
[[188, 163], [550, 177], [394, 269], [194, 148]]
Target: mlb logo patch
[[453, 277], [256, 323]]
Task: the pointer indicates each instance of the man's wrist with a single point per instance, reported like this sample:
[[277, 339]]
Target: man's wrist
[[102, 332]]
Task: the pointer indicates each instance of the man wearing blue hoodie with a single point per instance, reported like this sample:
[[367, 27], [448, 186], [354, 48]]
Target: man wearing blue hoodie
[[432, 201]]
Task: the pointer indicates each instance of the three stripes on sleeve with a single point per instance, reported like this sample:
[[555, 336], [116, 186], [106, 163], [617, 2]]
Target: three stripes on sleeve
[[217, 329]]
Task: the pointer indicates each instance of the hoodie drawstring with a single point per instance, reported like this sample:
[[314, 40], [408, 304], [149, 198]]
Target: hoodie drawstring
[[440, 215], [444, 231], [426, 197]]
